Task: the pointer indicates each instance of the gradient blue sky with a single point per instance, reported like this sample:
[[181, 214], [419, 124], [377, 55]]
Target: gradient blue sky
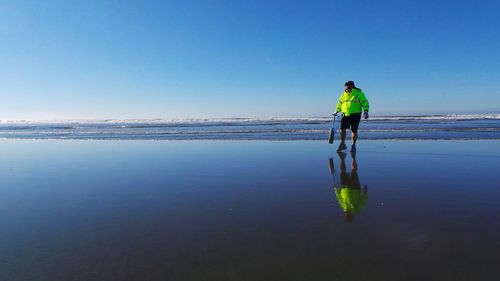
[[181, 59]]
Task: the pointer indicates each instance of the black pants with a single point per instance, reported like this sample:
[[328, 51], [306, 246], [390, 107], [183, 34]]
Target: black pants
[[350, 180], [351, 122]]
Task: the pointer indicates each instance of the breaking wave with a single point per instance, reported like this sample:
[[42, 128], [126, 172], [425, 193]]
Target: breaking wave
[[454, 126]]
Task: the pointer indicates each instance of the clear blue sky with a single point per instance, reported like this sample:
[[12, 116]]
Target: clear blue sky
[[180, 59]]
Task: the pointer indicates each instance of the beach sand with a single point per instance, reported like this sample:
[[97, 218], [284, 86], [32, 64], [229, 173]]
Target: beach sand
[[249, 210]]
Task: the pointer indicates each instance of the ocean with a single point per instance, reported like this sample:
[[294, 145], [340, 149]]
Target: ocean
[[434, 127]]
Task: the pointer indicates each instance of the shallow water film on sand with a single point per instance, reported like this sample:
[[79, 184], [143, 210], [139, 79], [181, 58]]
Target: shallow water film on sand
[[256, 210]]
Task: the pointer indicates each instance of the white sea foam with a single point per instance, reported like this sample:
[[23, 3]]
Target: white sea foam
[[465, 126], [441, 117], [249, 120]]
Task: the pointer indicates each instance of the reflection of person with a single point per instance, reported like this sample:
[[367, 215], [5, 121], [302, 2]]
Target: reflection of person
[[352, 199], [351, 103]]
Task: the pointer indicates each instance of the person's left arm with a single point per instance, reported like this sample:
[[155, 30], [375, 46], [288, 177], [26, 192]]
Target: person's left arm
[[364, 104]]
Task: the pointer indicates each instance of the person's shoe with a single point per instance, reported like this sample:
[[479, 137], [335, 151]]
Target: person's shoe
[[353, 148], [342, 146]]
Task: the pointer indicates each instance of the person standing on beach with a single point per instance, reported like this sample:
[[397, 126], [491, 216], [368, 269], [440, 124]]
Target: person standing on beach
[[351, 104]]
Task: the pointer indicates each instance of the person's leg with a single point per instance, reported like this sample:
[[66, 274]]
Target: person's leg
[[343, 167], [354, 163], [343, 134], [342, 145], [355, 118], [344, 124]]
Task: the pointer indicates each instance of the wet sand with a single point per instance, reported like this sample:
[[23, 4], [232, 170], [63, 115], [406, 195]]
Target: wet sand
[[249, 210]]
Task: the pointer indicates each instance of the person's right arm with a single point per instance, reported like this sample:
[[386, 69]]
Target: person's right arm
[[339, 104]]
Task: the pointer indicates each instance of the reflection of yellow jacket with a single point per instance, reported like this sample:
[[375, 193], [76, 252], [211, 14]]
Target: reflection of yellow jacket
[[350, 199]]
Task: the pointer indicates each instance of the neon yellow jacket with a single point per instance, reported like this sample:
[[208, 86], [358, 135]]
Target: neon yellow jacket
[[355, 102], [352, 200]]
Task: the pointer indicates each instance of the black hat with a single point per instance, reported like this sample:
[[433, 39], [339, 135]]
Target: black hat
[[350, 84]]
